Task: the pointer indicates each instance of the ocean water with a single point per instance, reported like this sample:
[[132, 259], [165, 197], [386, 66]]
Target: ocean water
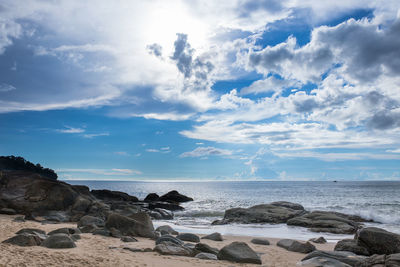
[[377, 200]]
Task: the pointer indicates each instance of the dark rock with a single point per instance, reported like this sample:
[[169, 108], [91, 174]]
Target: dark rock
[[206, 248], [128, 239], [351, 245], [342, 256], [260, 241], [296, 246], [165, 205], [169, 238], [103, 232], [90, 220], [322, 262], [378, 241], [168, 229], [109, 195], [206, 256], [175, 196], [289, 205], [393, 260], [58, 241], [164, 214], [51, 216], [319, 240], [151, 197], [24, 240], [65, 230], [19, 219], [115, 232], [75, 237], [169, 248], [264, 213], [239, 252], [323, 221], [7, 211], [373, 261], [214, 236], [138, 224], [88, 228], [81, 204], [188, 237], [32, 231]]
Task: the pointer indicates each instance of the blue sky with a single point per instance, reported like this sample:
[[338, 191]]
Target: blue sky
[[194, 90]]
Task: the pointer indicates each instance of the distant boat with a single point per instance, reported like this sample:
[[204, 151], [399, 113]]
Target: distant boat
[[335, 181]]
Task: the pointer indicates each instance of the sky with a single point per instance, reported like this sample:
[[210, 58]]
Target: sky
[[202, 90]]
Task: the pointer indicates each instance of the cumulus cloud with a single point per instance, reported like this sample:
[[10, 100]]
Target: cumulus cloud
[[270, 84], [206, 151]]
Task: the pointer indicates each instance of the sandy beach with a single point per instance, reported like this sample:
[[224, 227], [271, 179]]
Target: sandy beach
[[93, 250]]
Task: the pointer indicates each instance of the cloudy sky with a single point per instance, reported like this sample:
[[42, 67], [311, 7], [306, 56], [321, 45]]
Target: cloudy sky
[[227, 90]]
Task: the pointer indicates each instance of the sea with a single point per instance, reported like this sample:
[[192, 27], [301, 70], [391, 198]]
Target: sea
[[376, 200]]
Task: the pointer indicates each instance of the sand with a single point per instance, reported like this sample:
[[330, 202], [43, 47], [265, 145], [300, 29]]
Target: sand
[[95, 250]]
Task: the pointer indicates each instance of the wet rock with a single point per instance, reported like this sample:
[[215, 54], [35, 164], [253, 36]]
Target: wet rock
[[206, 248], [296, 246], [351, 245], [165, 205], [378, 241], [214, 236], [239, 252], [169, 248], [151, 197], [58, 241], [206, 256], [161, 214], [169, 238], [188, 237], [342, 256], [319, 240], [260, 241], [166, 229], [175, 196], [138, 224]]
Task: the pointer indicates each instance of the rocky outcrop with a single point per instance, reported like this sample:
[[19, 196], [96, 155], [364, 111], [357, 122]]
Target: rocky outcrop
[[351, 245], [151, 197], [324, 221], [296, 246], [108, 195], [175, 197], [322, 262], [214, 236], [392, 260], [239, 252], [276, 212], [138, 224], [342, 256], [378, 241]]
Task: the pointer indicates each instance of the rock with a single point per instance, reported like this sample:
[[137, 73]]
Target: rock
[[88, 228], [214, 236], [33, 231], [206, 248], [65, 230], [175, 196], [168, 229], [393, 260], [161, 214], [169, 248], [260, 241], [138, 225], [165, 205], [19, 219], [264, 213], [322, 262], [289, 205], [115, 232], [24, 240], [323, 221], [58, 241], [378, 241], [296, 246], [342, 256], [239, 252], [75, 237], [151, 197], [7, 211], [81, 204], [206, 256], [103, 232], [188, 237], [109, 195], [169, 238], [351, 245], [128, 239], [90, 220], [318, 240]]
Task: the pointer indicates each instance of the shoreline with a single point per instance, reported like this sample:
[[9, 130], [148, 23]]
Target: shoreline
[[93, 250]]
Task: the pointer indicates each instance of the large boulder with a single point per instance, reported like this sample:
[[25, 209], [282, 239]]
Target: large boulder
[[322, 262], [378, 241], [188, 237], [296, 246], [138, 225], [175, 196], [276, 212], [169, 248], [165, 205], [324, 221], [169, 238], [342, 256], [166, 229], [40, 234], [109, 195], [24, 240], [214, 237], [206, 248], [91, 220], [351, 245], [58, 241], [65, 230], [260, 241], [239, 252], [151, 197]]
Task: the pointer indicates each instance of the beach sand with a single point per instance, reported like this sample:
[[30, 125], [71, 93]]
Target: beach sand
[[93, 250]]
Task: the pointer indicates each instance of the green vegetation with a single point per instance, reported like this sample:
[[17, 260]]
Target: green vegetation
[[12, 163]]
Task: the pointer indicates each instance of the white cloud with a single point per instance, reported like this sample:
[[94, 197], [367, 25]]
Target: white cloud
[[109, 172], [122, 153], [207, 151], [92, 135], [152, 150], [4, 87], [71, 130]]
